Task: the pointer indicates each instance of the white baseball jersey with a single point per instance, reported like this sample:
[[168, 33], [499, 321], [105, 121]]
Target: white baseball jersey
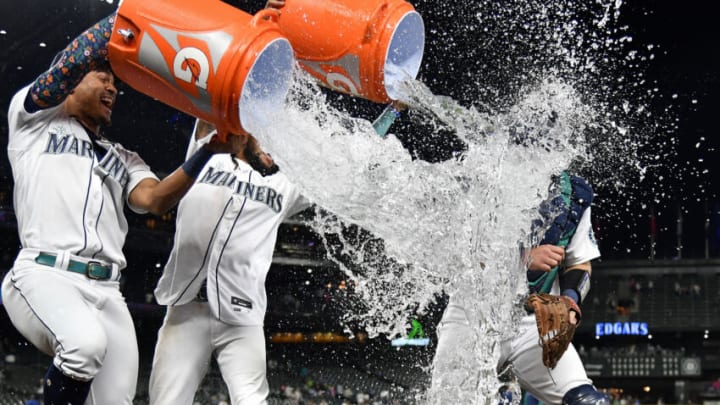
[[455, 365], [65, 199], [226, 231]]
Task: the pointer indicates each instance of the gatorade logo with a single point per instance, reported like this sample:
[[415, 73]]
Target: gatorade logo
[[192, 66], [341, 82], [341, 75], [186, 61]]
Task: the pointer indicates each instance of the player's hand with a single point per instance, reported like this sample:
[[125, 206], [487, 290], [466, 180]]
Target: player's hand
[[277, 4], [203, 129], [573, 317], [233, 144], [545, 257], [398, 105]]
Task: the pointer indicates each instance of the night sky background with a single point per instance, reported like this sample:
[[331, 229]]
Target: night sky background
[[680, 85]]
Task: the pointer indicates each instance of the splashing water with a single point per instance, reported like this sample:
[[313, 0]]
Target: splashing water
[[454, 226]]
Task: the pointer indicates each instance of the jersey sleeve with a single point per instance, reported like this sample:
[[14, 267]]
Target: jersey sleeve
[[582, 247], [296, 202], [138, 171], [301, 203], [23, 126]]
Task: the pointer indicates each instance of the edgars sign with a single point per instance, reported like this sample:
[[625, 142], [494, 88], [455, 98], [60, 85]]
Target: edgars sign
[[621, 328]]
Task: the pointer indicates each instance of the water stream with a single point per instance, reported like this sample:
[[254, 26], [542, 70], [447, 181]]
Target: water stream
[[455, 225]]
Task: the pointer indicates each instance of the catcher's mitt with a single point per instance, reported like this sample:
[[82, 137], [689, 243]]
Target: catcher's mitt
[[552, 314]]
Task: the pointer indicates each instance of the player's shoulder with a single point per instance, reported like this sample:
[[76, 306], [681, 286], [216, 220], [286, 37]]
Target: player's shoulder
[[280, 179], [17, 103]]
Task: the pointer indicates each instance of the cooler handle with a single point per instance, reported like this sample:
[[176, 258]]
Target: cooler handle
[[266, 14]]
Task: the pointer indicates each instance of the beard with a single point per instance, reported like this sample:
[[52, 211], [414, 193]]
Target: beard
[[254, 161]]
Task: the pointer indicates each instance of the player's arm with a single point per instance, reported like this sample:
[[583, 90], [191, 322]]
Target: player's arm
[[575, 284], [85, 53], [275, 4], [575, 281], [158, 196], [202, 130]]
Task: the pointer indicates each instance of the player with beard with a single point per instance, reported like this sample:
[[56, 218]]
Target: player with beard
[[214, 280]]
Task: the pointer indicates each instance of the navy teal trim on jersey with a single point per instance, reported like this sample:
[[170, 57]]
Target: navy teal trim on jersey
[[222, 251], [97, 219], [85, 207], [85, 53], [207, 252], [565, 212]]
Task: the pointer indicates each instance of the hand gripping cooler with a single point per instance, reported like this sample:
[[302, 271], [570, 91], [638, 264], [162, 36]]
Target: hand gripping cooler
[[205, 58], [361, 47]]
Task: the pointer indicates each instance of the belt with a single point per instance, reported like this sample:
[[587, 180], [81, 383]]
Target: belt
[[92, 269]]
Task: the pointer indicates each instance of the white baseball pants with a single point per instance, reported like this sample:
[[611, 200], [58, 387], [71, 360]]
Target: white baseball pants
[[84, 324], [455, 368], [187, 339]]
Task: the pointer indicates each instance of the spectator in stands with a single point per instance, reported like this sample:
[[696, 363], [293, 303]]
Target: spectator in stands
[[696, 290]]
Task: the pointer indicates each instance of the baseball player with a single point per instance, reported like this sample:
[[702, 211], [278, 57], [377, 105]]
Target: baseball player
[[71, 184], [214, 280], [568, 244]]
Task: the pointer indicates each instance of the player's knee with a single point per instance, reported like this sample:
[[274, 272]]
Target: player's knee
[[585, 395], [84, 354]]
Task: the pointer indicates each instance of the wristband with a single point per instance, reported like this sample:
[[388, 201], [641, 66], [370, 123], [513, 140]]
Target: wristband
[[575, 284], [572, 294], [195, 163]]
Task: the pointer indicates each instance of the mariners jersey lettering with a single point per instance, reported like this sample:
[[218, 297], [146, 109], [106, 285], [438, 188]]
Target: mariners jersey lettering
[[266, 195], [68, 143], [226, 230], [47, 147]]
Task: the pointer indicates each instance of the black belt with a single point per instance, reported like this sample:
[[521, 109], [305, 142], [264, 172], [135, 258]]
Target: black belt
[[93, 269]]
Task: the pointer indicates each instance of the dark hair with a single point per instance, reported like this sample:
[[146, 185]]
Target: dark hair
[[104, 66]]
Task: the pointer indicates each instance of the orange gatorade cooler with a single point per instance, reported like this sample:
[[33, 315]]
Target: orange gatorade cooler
[[205, 58], [361, 47]]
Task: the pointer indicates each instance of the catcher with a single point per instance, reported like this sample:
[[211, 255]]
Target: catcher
[[545, 363]]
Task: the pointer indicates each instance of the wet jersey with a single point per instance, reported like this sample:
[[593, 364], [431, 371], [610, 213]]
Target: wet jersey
[[226, 230], [582, 247], [67, 198]]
